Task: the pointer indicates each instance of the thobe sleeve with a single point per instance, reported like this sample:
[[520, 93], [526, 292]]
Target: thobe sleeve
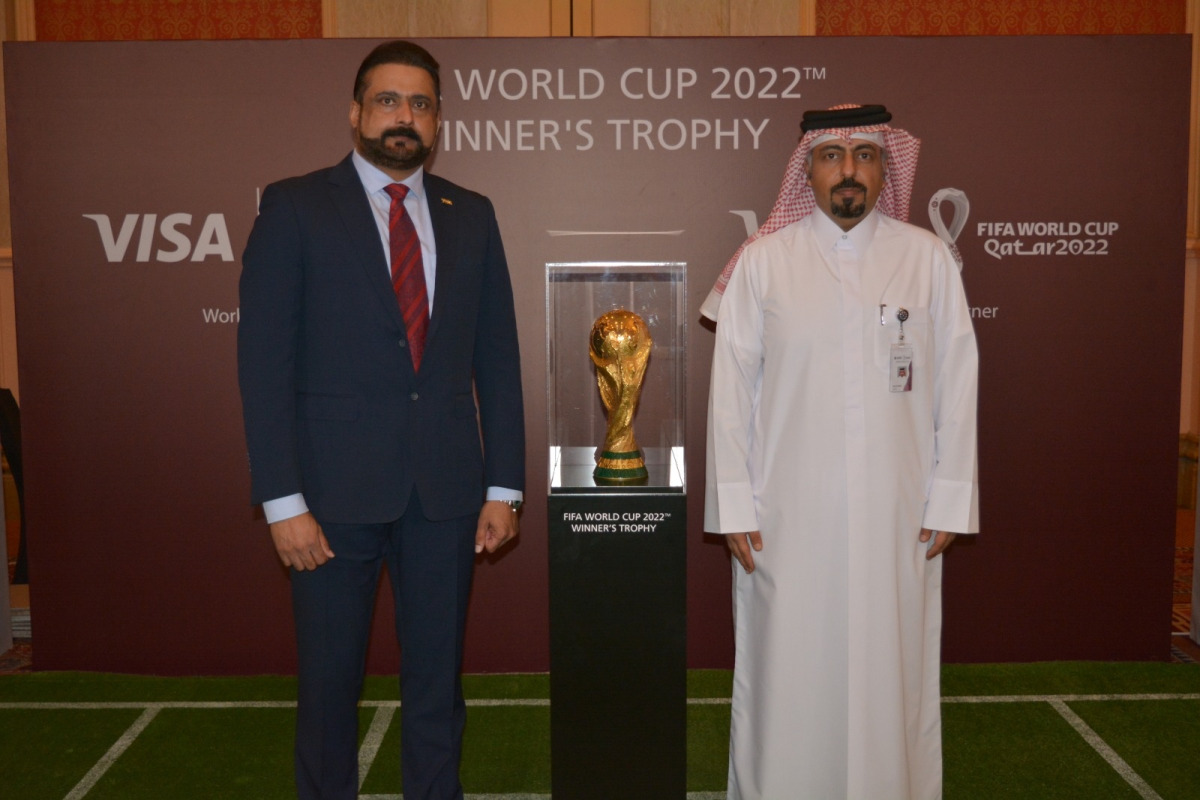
[[736, 378], [953, 503]]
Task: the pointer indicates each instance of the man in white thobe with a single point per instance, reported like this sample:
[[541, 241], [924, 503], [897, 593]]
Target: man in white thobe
[[841, 463]]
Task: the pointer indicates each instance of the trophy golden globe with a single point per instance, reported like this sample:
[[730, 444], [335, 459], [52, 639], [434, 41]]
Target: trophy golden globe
[[620, 348]]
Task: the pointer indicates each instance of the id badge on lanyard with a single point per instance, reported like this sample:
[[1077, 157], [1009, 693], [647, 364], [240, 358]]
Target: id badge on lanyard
[[900, 371]]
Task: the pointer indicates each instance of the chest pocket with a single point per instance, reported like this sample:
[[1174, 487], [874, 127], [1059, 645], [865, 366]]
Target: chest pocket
[[918, 333]]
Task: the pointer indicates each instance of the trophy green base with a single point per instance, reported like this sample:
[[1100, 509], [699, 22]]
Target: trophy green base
[[619, 469]]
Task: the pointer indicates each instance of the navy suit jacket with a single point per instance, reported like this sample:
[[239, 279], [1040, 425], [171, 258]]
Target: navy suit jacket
[[332, 405]]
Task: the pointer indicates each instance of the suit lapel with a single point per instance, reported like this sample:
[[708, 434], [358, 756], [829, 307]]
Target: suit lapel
[[350, 199], [441, 214]]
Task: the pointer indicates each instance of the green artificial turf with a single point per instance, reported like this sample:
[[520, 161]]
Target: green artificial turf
[[1023, 749], [708, 747], [220, 754], [1157, 739], [1069, 677], [506, 749], [710, 683], [102, 687], [43, 754]]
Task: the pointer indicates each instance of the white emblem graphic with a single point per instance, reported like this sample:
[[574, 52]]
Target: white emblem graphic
[[749, 219], [957, 200]]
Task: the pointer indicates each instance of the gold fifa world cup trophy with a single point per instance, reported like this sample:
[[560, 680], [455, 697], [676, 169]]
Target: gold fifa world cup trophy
[[620, 348]]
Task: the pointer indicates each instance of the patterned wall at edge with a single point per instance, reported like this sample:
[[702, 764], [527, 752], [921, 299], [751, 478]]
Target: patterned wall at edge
[[620, 17], [997, 17], [766, 17], [447, 18], [358, 20], [689, 18], [104, 20], [726, 17], [442, 18], [6, 34], [694, 17], [519, 18], [8, 317]]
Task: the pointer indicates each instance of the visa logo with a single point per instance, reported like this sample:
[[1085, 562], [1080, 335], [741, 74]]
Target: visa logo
[[175, 241]]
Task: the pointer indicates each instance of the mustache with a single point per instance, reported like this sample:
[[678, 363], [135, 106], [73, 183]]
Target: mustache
[[401, 130], [849, 183]]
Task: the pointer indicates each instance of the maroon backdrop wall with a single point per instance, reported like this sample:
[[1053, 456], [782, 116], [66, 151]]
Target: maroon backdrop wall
[[135, 169]]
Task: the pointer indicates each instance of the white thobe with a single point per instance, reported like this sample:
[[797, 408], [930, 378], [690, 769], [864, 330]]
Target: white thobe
[[838, 629]]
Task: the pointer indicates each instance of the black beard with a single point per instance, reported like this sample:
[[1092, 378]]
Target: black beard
[[375, 151], [847, 209]]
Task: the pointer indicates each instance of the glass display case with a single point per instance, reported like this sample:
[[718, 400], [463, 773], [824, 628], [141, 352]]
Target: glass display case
[[576, 295]]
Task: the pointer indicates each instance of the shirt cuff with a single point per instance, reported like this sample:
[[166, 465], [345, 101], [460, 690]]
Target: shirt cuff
[[293, 505], [282, 508]]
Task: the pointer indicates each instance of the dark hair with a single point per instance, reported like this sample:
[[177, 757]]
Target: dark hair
[[397, 52]]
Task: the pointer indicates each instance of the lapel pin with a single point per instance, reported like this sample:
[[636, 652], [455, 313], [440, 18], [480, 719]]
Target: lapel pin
[[447, 202]]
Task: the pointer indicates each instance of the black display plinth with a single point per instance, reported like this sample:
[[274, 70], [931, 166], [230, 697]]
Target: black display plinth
[[618, 665]]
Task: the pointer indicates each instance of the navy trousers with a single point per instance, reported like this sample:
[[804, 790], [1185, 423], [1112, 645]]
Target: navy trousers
[[430, 566]]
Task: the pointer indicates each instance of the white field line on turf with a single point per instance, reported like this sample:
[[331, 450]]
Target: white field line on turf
[[534, 702], [218, 704], [1066, 698], [386, 710], [1107, 753], [1013, 698], [108, 759], [370, 746]]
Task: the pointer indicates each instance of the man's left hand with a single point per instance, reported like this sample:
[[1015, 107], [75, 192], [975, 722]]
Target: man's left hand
[[497, 524], [941, 540]]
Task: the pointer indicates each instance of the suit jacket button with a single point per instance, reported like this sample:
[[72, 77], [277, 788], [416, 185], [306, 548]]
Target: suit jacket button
[[413, 396], [402, 343]]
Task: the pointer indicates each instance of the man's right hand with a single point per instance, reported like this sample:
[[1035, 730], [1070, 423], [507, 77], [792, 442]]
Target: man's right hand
[[300, 542], [743, 545]]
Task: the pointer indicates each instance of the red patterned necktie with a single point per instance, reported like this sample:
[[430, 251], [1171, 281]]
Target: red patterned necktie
[[408, 272]]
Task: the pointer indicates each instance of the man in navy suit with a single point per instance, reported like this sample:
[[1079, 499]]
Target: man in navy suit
[[371, 443]]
